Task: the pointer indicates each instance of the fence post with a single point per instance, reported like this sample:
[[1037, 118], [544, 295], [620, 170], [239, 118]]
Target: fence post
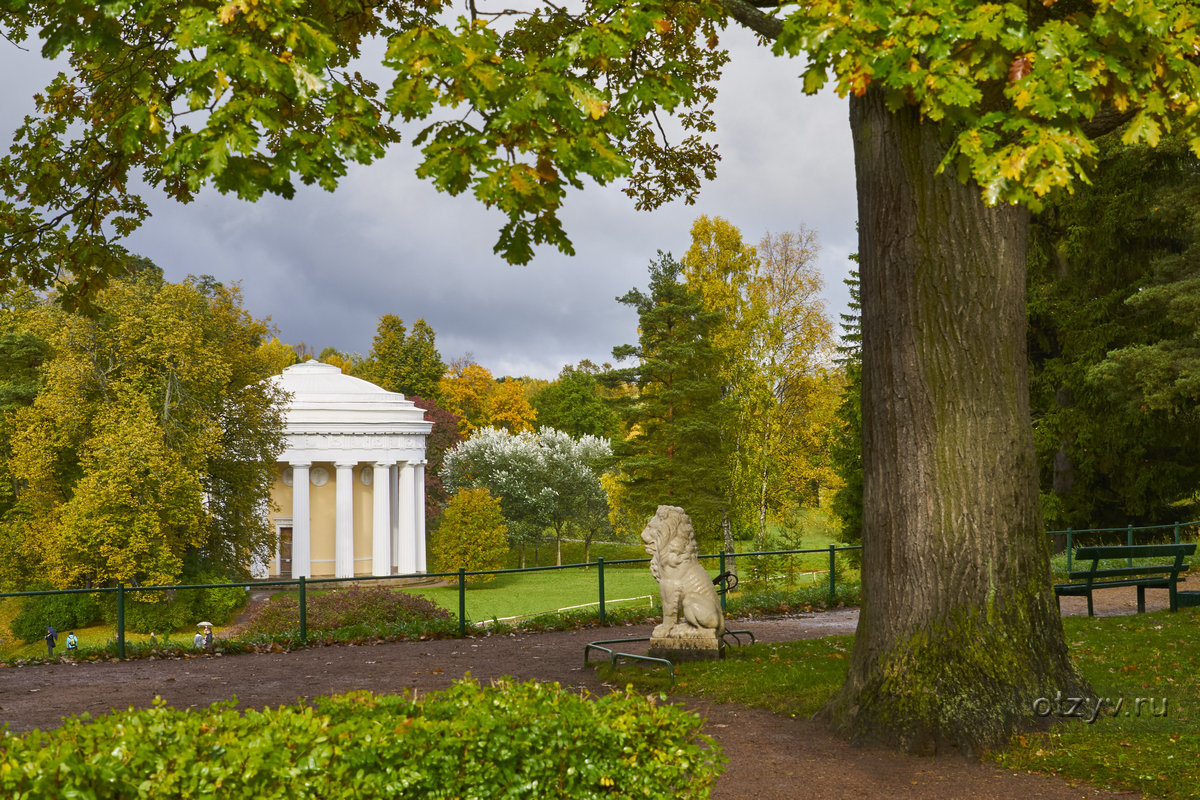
[[1176, 533], [722, 572], [832, 584], [600, 572], [1070, 545], [303, 611], [462, 601], [1129, 541], [120, 620]]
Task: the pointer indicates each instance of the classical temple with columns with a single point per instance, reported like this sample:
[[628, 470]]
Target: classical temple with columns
[[349, 495]]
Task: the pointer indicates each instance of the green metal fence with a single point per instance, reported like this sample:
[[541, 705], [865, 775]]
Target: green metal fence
[[461, 576]]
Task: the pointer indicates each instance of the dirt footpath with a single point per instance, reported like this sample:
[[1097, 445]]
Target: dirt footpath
[[770, 757]]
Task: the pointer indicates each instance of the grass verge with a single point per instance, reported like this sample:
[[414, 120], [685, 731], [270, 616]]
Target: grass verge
[[1146, 737], [1152, 747]]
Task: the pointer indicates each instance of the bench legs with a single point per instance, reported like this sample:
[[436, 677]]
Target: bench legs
[[1142, 599]]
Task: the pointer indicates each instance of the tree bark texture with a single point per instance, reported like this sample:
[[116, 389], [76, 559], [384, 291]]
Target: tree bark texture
[[959, 631]]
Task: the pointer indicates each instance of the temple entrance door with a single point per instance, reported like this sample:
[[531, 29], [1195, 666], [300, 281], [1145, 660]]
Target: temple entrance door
[[285, 553]]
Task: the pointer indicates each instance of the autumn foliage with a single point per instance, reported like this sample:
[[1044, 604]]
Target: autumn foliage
[[472, 535]]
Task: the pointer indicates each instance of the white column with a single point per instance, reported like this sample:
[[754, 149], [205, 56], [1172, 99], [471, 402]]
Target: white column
[[408, 533], [381, 520], [301, 527], [343, 564], [419, 514], [394, 511]]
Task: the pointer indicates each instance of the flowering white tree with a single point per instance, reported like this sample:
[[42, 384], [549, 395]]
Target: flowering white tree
[[544, 480]]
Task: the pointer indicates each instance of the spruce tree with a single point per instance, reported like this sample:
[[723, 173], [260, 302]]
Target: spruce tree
[[846, 449], [675, 454]]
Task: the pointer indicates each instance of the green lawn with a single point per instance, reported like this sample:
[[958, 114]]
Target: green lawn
[[1152, 746], [522, 595], [92, 636], [528, 594]]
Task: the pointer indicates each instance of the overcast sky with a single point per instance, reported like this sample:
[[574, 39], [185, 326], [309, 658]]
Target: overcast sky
[[325, 266]]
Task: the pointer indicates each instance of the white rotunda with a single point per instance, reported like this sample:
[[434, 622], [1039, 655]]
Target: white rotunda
[[349, 496]]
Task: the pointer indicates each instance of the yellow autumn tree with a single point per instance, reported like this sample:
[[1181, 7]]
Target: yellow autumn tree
[[150, 445], [276, 355], [776, 343], [721, 268], [472, 535], [508, 407], [797, 386], [480, 401]]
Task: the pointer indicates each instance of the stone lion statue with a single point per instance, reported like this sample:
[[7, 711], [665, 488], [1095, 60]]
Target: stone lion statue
[[682, 583]]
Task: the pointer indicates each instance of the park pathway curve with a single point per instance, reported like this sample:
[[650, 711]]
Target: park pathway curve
[[771, 757]]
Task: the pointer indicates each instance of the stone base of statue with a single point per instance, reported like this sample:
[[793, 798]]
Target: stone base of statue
[[702, 645]]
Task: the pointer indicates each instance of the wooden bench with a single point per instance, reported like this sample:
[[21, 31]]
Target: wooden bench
[[1163, 575]]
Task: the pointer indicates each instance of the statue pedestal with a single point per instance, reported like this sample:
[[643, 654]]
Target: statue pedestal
[[704, 647]]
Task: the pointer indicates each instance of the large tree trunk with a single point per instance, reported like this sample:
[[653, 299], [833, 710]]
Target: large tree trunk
[[959, 631]]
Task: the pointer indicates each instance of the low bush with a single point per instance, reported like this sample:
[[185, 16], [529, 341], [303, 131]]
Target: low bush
[[60, 611], [376, 610], [790, 601], [504, 741]]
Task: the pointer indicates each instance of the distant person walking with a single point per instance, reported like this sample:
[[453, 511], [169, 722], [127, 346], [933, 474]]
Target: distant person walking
[[51, 640], [208, 639], [72, 644], [198, 640]]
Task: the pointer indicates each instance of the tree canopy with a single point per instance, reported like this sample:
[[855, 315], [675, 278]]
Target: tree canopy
[[404, 361], [576, 403], [481, 401], [251, 98], [1113, 288], [149, 446], [675, 452]]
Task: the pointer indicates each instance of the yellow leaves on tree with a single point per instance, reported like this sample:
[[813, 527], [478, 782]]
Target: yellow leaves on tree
[[276, 356], [777, 342], [472, 535], [470, 391], [152, 438], [626, 522]]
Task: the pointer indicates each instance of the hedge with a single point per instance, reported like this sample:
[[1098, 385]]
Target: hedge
[[509, 740]]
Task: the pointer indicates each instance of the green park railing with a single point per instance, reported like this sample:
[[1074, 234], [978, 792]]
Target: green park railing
[[462, 577]]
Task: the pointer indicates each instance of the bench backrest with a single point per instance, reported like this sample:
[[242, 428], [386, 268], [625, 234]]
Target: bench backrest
[[1098, 553], [1135, 551]]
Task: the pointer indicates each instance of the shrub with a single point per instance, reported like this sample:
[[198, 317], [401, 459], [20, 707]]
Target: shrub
[[504, 741], [61, 611], [472, 534], [808, 598], [381, 610], [168, 610]]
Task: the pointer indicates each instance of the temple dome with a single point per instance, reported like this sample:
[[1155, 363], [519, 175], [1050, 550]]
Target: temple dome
[[323, 398]]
